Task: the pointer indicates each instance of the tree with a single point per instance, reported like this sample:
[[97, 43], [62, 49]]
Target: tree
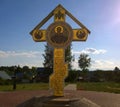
[[84, 62], [116, 74], [33, 70], [48, 57], [116, 69], [26, 69], [68, 56], [26, 72]]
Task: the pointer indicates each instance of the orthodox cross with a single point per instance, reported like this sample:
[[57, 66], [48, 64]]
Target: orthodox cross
[[59, 35]]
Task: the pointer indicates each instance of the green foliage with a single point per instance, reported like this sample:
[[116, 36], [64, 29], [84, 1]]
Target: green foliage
[[92, 76], [99, 86], [68, 57], [72, 77], [84, 62], [33, 86], [33, 71], [5, 82], [48, 57], [116, 69], [109, 75]]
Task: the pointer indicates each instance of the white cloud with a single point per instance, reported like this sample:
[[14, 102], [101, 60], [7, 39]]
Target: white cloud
[[94, 51], [102, 64], [97, 64], [90, 51], [75, 64], [4, 54], [34, 58], [29, 58], [35, 63]]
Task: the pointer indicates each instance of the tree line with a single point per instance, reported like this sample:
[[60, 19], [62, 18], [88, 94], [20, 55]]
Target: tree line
[[74, 75], [20, 73], [84, 62]]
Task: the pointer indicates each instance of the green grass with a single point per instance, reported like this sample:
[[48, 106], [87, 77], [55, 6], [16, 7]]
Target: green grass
[[32, 86], [99, 86], [89, 86]]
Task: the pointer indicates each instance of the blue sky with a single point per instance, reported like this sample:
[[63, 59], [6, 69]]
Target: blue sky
[[19, 17]]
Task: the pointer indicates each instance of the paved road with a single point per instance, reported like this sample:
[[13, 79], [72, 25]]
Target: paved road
[[11, 99], [71, 87], [103, 99]]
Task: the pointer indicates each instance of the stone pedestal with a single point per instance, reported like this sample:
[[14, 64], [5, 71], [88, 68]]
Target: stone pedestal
[[57, 102], [52, 101]]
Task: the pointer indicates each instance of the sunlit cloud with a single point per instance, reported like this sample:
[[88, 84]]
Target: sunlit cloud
[[23, 54], [28, 58], [75, 64], [3, 54], [34, 58], [90, 51], [102, 64], [35, 63], [97, 64]]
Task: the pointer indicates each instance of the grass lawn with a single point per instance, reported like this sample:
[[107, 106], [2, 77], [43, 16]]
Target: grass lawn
[[89, 86], [29, 86], [99, 86]]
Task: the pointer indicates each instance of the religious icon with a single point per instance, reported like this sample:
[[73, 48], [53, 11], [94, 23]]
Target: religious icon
[[81, 34], [59, 34], [37, 34]]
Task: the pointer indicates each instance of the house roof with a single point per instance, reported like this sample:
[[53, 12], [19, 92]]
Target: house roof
[[4, 75]]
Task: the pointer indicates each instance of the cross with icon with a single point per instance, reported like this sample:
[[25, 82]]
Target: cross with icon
[[59, 35]]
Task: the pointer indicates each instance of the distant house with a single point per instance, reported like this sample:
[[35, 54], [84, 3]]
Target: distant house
[[42, 74], [4, 75]]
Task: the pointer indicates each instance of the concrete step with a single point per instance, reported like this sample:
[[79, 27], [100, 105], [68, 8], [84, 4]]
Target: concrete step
[[71, 87], [57, 103]]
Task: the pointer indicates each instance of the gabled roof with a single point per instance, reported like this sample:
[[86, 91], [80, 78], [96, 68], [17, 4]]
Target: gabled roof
[[4, 75], [52, 13]]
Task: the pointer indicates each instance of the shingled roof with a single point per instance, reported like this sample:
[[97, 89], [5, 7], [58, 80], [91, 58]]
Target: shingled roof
[[4, 75]]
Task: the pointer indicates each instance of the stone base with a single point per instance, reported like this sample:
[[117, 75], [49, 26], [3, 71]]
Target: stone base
[[52, 101]]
